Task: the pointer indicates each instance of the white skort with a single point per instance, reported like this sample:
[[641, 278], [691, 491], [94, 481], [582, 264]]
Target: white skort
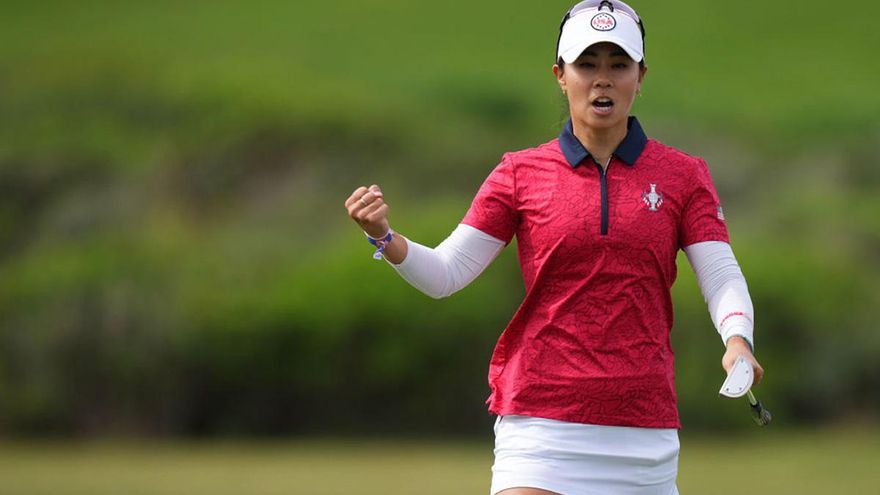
[[578, 459]]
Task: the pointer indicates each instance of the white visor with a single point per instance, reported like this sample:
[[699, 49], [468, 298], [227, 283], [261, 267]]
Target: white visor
[[590, 26]]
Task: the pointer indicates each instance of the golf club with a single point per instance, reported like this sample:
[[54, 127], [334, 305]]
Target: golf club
[[738, 383]]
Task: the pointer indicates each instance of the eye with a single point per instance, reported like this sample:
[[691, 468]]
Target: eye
[[620, 65], [586, 64]]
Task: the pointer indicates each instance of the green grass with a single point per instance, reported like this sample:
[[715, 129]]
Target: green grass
[[767, 462]]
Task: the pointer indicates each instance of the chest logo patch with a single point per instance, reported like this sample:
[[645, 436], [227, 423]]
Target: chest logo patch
[[652, 198]]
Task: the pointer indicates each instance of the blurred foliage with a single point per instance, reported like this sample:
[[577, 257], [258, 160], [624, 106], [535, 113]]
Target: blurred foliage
[[175, 258]]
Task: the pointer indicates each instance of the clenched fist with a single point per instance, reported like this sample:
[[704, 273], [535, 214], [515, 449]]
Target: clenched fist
[[367, 207]]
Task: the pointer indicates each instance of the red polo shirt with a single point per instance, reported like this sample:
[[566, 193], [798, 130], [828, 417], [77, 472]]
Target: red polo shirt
[[590, 342]]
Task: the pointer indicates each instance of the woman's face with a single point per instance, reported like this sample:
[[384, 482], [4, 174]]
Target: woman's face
[[601, 85]]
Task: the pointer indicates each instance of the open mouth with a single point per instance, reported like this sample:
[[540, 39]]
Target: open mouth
[[603, 104]]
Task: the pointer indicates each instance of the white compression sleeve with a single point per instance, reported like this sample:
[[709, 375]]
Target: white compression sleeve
[[724, 289], [452, 265]]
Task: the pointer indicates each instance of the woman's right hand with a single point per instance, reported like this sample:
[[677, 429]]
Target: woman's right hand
[[367, 207]]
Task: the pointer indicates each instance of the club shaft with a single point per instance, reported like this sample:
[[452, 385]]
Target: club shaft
[[752, 400]]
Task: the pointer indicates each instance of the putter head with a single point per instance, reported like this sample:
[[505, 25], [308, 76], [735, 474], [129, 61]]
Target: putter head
[[739, 380]]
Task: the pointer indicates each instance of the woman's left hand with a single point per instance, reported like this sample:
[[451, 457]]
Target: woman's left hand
[[736, 347]]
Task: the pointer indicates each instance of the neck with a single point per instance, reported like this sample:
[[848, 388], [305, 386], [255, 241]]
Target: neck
[[600, 142]]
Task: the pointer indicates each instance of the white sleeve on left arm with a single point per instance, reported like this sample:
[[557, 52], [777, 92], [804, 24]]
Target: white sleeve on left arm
[[724, 289]]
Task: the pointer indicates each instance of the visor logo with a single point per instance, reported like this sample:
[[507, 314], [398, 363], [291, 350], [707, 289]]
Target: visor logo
[[603, 22]]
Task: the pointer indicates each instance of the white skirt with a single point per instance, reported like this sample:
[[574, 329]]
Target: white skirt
[[578, 459]]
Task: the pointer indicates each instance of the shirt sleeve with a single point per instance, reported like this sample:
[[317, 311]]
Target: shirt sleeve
[[451, 266], [702, 219], [724, 289], [493, 210]]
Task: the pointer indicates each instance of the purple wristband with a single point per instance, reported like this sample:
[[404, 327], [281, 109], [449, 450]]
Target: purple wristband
[[380, 243]]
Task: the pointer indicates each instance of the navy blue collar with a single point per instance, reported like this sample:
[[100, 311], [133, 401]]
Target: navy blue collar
[[628, 150]]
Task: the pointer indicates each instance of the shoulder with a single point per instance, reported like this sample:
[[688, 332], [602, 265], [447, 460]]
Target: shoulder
[[537, 165], [660, 154], [675, 164], [543, 153], [524, 167], [680, 170]]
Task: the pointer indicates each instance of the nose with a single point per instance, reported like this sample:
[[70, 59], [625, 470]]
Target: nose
[[603, 80]]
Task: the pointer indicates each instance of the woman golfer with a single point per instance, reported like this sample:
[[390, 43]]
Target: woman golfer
[[582, 378]]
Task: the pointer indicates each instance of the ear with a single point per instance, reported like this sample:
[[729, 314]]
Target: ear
[[559, 72], [642, 72]]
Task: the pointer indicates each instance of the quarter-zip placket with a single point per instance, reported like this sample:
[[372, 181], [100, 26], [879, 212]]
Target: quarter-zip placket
[[603, 182]]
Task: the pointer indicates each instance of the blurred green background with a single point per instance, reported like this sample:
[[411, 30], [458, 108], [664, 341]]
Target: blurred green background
[[176, 261]]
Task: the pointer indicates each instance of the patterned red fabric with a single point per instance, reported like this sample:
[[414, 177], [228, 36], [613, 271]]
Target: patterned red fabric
[[590, 342]]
